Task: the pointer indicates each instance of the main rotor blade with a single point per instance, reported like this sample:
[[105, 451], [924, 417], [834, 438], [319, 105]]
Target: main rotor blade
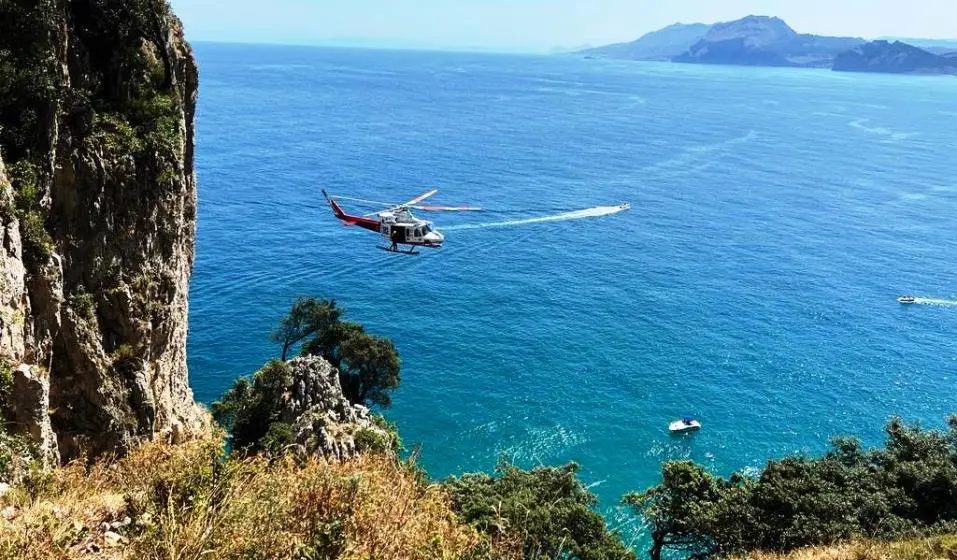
[[448, 208], [420, 198]]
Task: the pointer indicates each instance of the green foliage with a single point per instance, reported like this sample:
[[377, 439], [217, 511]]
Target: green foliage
[[83, 304], [376, 442], [37, 243], [278, 438], [159, 128], [308, 317], [328, 342], [17, 456], [28, 85], [548, 508], [908, 486], [368, 365], [6, 388], [250, 408], [123, 352], [369, 370], [114, 134]]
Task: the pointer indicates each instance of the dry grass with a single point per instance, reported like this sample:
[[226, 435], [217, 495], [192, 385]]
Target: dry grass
[[939, 548], [185, 502]]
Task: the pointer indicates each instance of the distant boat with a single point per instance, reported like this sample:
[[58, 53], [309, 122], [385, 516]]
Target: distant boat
[[687, 424], [907, 299]]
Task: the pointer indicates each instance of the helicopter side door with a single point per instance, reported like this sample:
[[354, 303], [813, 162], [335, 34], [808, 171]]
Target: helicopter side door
[[399, 234]]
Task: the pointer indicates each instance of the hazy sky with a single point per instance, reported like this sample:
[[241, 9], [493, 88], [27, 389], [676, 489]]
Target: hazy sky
[[538, 24]]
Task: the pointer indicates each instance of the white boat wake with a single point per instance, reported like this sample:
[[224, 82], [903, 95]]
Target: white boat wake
[[595, 212], [935, 301]]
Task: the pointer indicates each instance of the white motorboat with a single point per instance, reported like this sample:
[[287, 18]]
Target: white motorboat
[[687, 424]]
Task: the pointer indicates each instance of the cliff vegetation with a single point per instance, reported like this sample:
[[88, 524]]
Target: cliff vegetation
[[97, 99], [904, 490]]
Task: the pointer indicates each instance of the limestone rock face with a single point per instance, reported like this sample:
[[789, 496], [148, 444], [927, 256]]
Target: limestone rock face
[[30, 400], [96, 294], [14, 305], [324, 422]]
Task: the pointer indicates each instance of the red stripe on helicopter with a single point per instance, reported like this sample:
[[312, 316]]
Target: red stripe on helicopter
[[366, 223]]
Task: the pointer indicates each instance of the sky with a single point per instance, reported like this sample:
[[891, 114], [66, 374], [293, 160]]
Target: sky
[[537, 25]]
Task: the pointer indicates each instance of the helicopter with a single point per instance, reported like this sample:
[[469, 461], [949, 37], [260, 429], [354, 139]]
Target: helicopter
[[397, 224]]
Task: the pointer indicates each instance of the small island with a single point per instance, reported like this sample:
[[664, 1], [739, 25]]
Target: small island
[[770, 41]]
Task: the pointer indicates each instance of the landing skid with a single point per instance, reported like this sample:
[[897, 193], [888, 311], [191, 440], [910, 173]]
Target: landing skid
[[411, 251]]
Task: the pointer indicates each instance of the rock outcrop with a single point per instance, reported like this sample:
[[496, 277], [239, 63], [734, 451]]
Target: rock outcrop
[[894, 58], [324, 422], [98, 228], [30, 399]]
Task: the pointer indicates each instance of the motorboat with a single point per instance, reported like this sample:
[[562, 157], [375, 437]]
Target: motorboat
[[686, 424], [907, 299]]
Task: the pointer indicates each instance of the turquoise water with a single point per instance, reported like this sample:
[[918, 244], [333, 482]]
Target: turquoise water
[[776, 215]]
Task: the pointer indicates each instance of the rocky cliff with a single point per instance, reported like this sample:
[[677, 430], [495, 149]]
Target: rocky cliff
[[324, 422], [894, 58], [97, 99]]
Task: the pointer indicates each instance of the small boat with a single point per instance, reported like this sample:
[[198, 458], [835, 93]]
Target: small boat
[[907, 299], [687, 424]]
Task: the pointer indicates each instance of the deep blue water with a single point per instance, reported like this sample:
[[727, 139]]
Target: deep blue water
[[777, 214]]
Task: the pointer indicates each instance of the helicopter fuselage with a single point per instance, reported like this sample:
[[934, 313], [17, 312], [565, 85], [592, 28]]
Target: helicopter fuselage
[[399, 226]]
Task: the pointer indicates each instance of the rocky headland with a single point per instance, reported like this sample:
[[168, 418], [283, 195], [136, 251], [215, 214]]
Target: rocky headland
[[769, 41], [895, 58]]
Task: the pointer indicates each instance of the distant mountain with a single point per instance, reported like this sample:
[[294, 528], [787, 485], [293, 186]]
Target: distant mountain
[[769, 41], [663, 44], [926, 44], [765, 41], [895, 58]]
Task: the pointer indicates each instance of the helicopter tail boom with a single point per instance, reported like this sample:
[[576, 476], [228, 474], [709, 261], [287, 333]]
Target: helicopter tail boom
[[365, 223]]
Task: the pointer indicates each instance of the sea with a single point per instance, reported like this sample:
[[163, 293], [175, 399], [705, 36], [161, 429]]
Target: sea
[[776, 215]]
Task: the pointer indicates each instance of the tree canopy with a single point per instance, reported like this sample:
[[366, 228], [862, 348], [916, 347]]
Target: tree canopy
[[307, 317], [908, 486], [368, 364]]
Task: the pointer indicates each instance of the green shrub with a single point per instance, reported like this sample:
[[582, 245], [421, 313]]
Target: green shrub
[[549, 509], [909, 486], [17, 456], [250, 408], [83, 304], [277, 439], [6, 388], [393, 440], [114, 134], [37, 243], [372, 441]]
